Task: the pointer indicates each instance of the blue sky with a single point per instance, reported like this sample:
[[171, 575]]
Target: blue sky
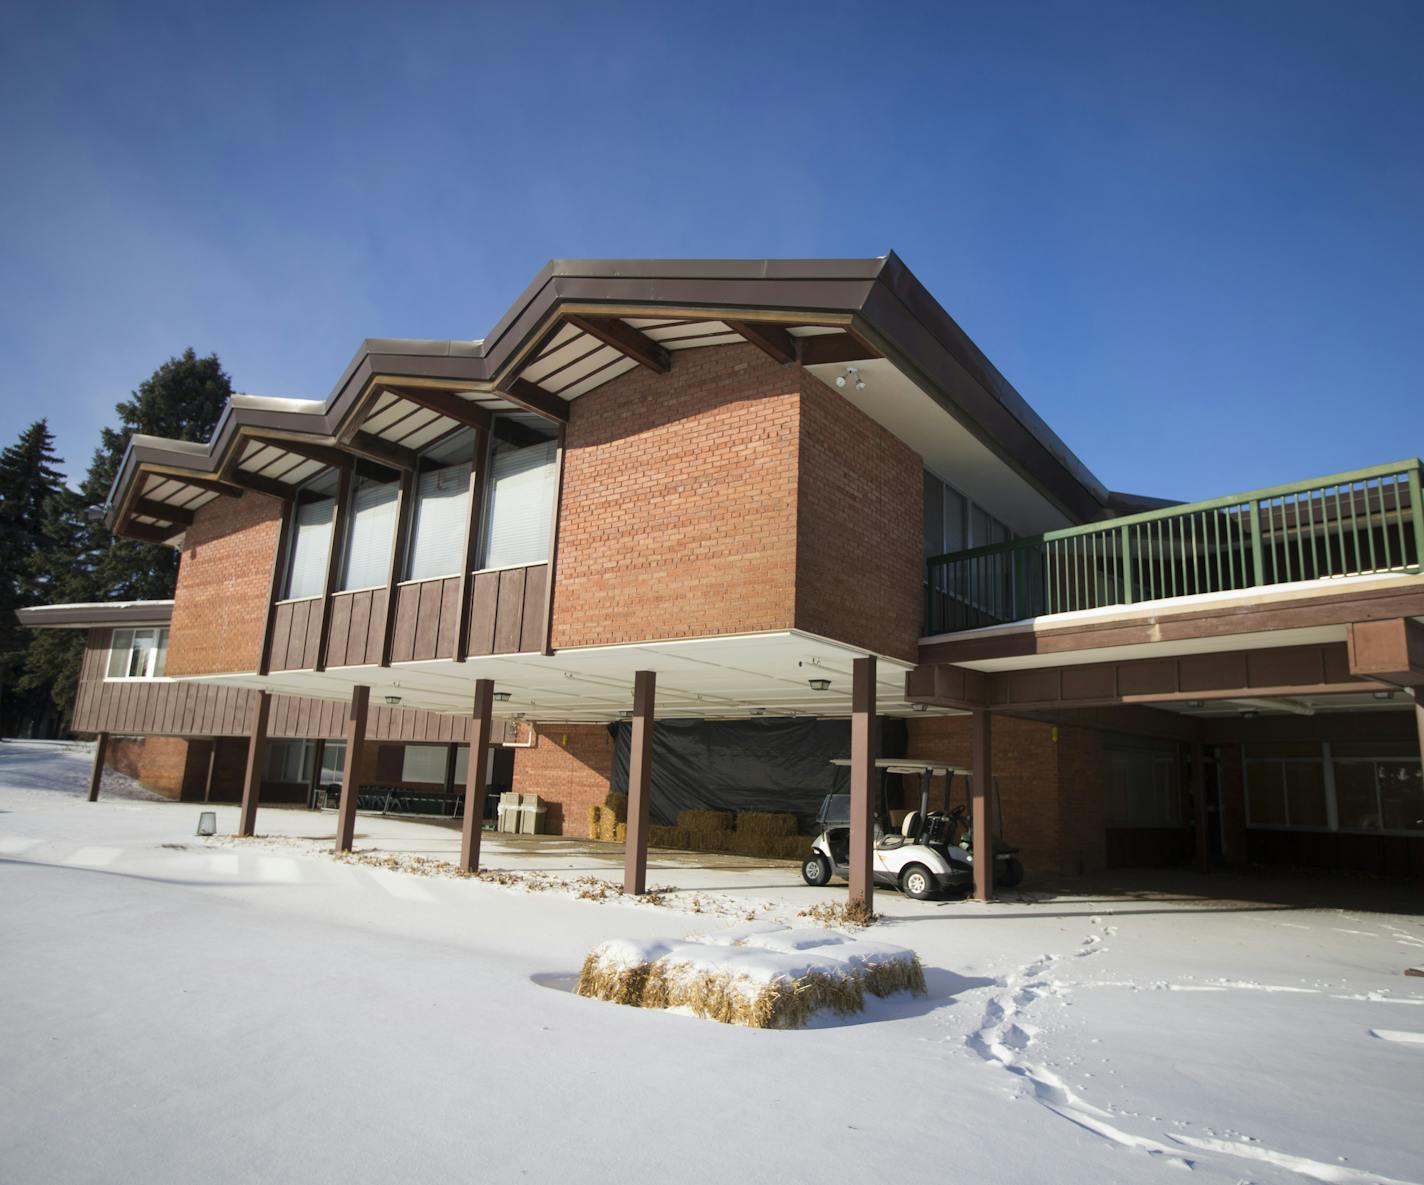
[[1191, 234]]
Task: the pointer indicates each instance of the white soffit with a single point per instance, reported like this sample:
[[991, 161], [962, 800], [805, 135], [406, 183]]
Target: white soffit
[[949, 449]]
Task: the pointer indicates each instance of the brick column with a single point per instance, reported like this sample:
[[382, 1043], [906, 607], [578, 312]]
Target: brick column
[[640, 770], [862, 781], [351, 775], [256, 758], [980, 816], [96, 775], [476, 775]]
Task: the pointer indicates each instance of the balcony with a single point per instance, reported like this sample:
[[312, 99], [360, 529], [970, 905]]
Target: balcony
[[1367, 522]]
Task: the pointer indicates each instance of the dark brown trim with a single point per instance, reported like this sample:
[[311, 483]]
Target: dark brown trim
[[625, 339], [256, 758], [334, 558], [356, 718], [551, 577], [261, 485], [96, 616], [862, 782], [323, 454], [96, 771], [1391, 650], [177, 515], [383, 452], [982, 759], [476, 774], [147, 534], [274, 584], [640, 770], [478, 470], [821, 349], [405, 511], [523, 393], [211, 485]]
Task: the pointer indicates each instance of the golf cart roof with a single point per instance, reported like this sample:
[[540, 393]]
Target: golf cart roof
[[910, 765]]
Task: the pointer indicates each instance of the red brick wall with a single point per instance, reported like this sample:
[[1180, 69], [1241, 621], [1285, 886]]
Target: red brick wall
[[158, 763], [224, 579], [678, 516], [1050, 786], [859, 537], [569, 767]]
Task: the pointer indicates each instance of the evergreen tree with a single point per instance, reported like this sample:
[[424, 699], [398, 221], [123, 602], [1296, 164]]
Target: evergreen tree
[[80, 560]]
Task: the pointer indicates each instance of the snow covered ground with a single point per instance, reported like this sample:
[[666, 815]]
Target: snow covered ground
[[175, 1011]]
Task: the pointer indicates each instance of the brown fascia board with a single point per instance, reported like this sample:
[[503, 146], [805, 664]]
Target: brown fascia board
[[95, 615], [879, 297]]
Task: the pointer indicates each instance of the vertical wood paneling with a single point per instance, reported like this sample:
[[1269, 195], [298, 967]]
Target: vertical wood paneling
[[484, 597], [509, 611], [449, 618], [403, 633], [339, 629], [281, 633], [375, 633], [427, 620], [297, 639], [360, 623], [531, 631], [311, 654]]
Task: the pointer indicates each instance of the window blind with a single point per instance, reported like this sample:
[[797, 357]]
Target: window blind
[[442, 499], [423, 763], [520, 506], [311, 545], [368, 542]]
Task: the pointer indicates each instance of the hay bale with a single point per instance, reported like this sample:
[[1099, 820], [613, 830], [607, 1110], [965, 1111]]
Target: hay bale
[[705, 820], [618, 804], [668, 837], [766, 823], [593, 822], [620, 832]]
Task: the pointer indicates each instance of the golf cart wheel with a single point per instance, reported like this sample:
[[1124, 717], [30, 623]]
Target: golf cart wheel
[[816, 870], [1011, 873], [917, 881]]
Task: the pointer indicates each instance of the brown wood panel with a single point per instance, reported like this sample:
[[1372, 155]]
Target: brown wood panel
[[281, 633], [484, 598], [376, 631], [355, 652], [297, 638], [315, 623], [339, 629], [449, 618], [531, 634], [403, 635], [427, 620], [509, 611]]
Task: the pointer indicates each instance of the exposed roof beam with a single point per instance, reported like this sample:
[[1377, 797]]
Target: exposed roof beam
[[625, 339], [444, 403], [152, 509], [323, 454], [148, 534], [523, 393], [212, 484], [383, 452], [261, 485], [772, 340], [824, 348]]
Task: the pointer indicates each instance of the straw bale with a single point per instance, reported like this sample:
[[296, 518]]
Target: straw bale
[[766, 823], [705, 820]]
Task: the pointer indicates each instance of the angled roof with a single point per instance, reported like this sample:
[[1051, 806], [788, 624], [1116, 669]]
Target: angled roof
[[92, 614], [579, 324]]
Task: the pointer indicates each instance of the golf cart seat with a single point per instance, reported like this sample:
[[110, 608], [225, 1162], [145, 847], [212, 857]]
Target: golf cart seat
[[910, 827]]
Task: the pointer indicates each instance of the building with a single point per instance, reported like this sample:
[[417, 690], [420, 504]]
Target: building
[[663, 492]]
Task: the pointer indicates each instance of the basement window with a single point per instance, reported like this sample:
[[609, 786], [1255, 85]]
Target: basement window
[[138, 654], [519, 508]]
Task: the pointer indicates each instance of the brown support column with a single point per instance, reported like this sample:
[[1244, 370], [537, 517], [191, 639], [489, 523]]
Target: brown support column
[[256, 758], [1199, 803], [981, 794], [1418, 694], [212, 769], [351, 775], [96, 775], [476, 784], [862, 781], [640, 768]]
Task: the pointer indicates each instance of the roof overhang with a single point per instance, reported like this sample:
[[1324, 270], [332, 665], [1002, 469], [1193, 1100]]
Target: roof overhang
[[95, 615], [581, 324]]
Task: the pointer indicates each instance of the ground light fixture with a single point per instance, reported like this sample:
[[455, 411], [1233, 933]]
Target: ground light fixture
[[819, 684]]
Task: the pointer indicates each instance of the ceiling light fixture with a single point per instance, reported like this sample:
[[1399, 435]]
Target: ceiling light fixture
[[852, 375], [819, 684], [501, 697], [919, 707], [1384, 695], [393, 700]]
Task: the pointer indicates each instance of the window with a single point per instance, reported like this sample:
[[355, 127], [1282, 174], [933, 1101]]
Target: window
[[311, 538], [333, 763], [370, 535], [1379, 794], [1344, 786], [1286, 792], [442, 502], [980, 591], [1144, 788], [138, 654], [426, 763], [290, 761], [519, 506]]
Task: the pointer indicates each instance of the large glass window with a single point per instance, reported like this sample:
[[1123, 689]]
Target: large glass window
[[442, 502], [1144, 788], [333, 763], [310, 551], [290, 761], [1344, 786], [519, 505], [138, 653], [370, 534]]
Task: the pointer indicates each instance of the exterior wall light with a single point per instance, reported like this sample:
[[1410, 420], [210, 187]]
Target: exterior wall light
[[501, 697], [852, 375], [1384, 695], [919, 707], [393, 700], [819, 684]]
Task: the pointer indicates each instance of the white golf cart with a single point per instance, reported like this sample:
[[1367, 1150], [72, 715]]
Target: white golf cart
[[930, 852]]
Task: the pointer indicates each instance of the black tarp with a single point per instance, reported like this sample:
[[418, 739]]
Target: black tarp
[[766, 764]]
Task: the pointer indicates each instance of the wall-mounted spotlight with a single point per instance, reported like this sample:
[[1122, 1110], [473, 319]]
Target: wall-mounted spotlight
[[852, 376], [819, 684]]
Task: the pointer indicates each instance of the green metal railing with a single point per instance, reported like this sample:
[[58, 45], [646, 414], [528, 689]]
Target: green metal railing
[[1351, 524]]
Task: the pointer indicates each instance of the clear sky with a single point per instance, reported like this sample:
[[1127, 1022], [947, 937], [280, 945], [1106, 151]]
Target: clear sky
[[1191, 234]]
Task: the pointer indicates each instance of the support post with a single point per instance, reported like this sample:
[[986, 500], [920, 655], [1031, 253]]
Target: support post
[[256, 759], [96, 775], [1199, 801], [1418, 693], [212, 769], [640, 768], [862, 781], [476, 775], [351, 775], [981, 791]]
